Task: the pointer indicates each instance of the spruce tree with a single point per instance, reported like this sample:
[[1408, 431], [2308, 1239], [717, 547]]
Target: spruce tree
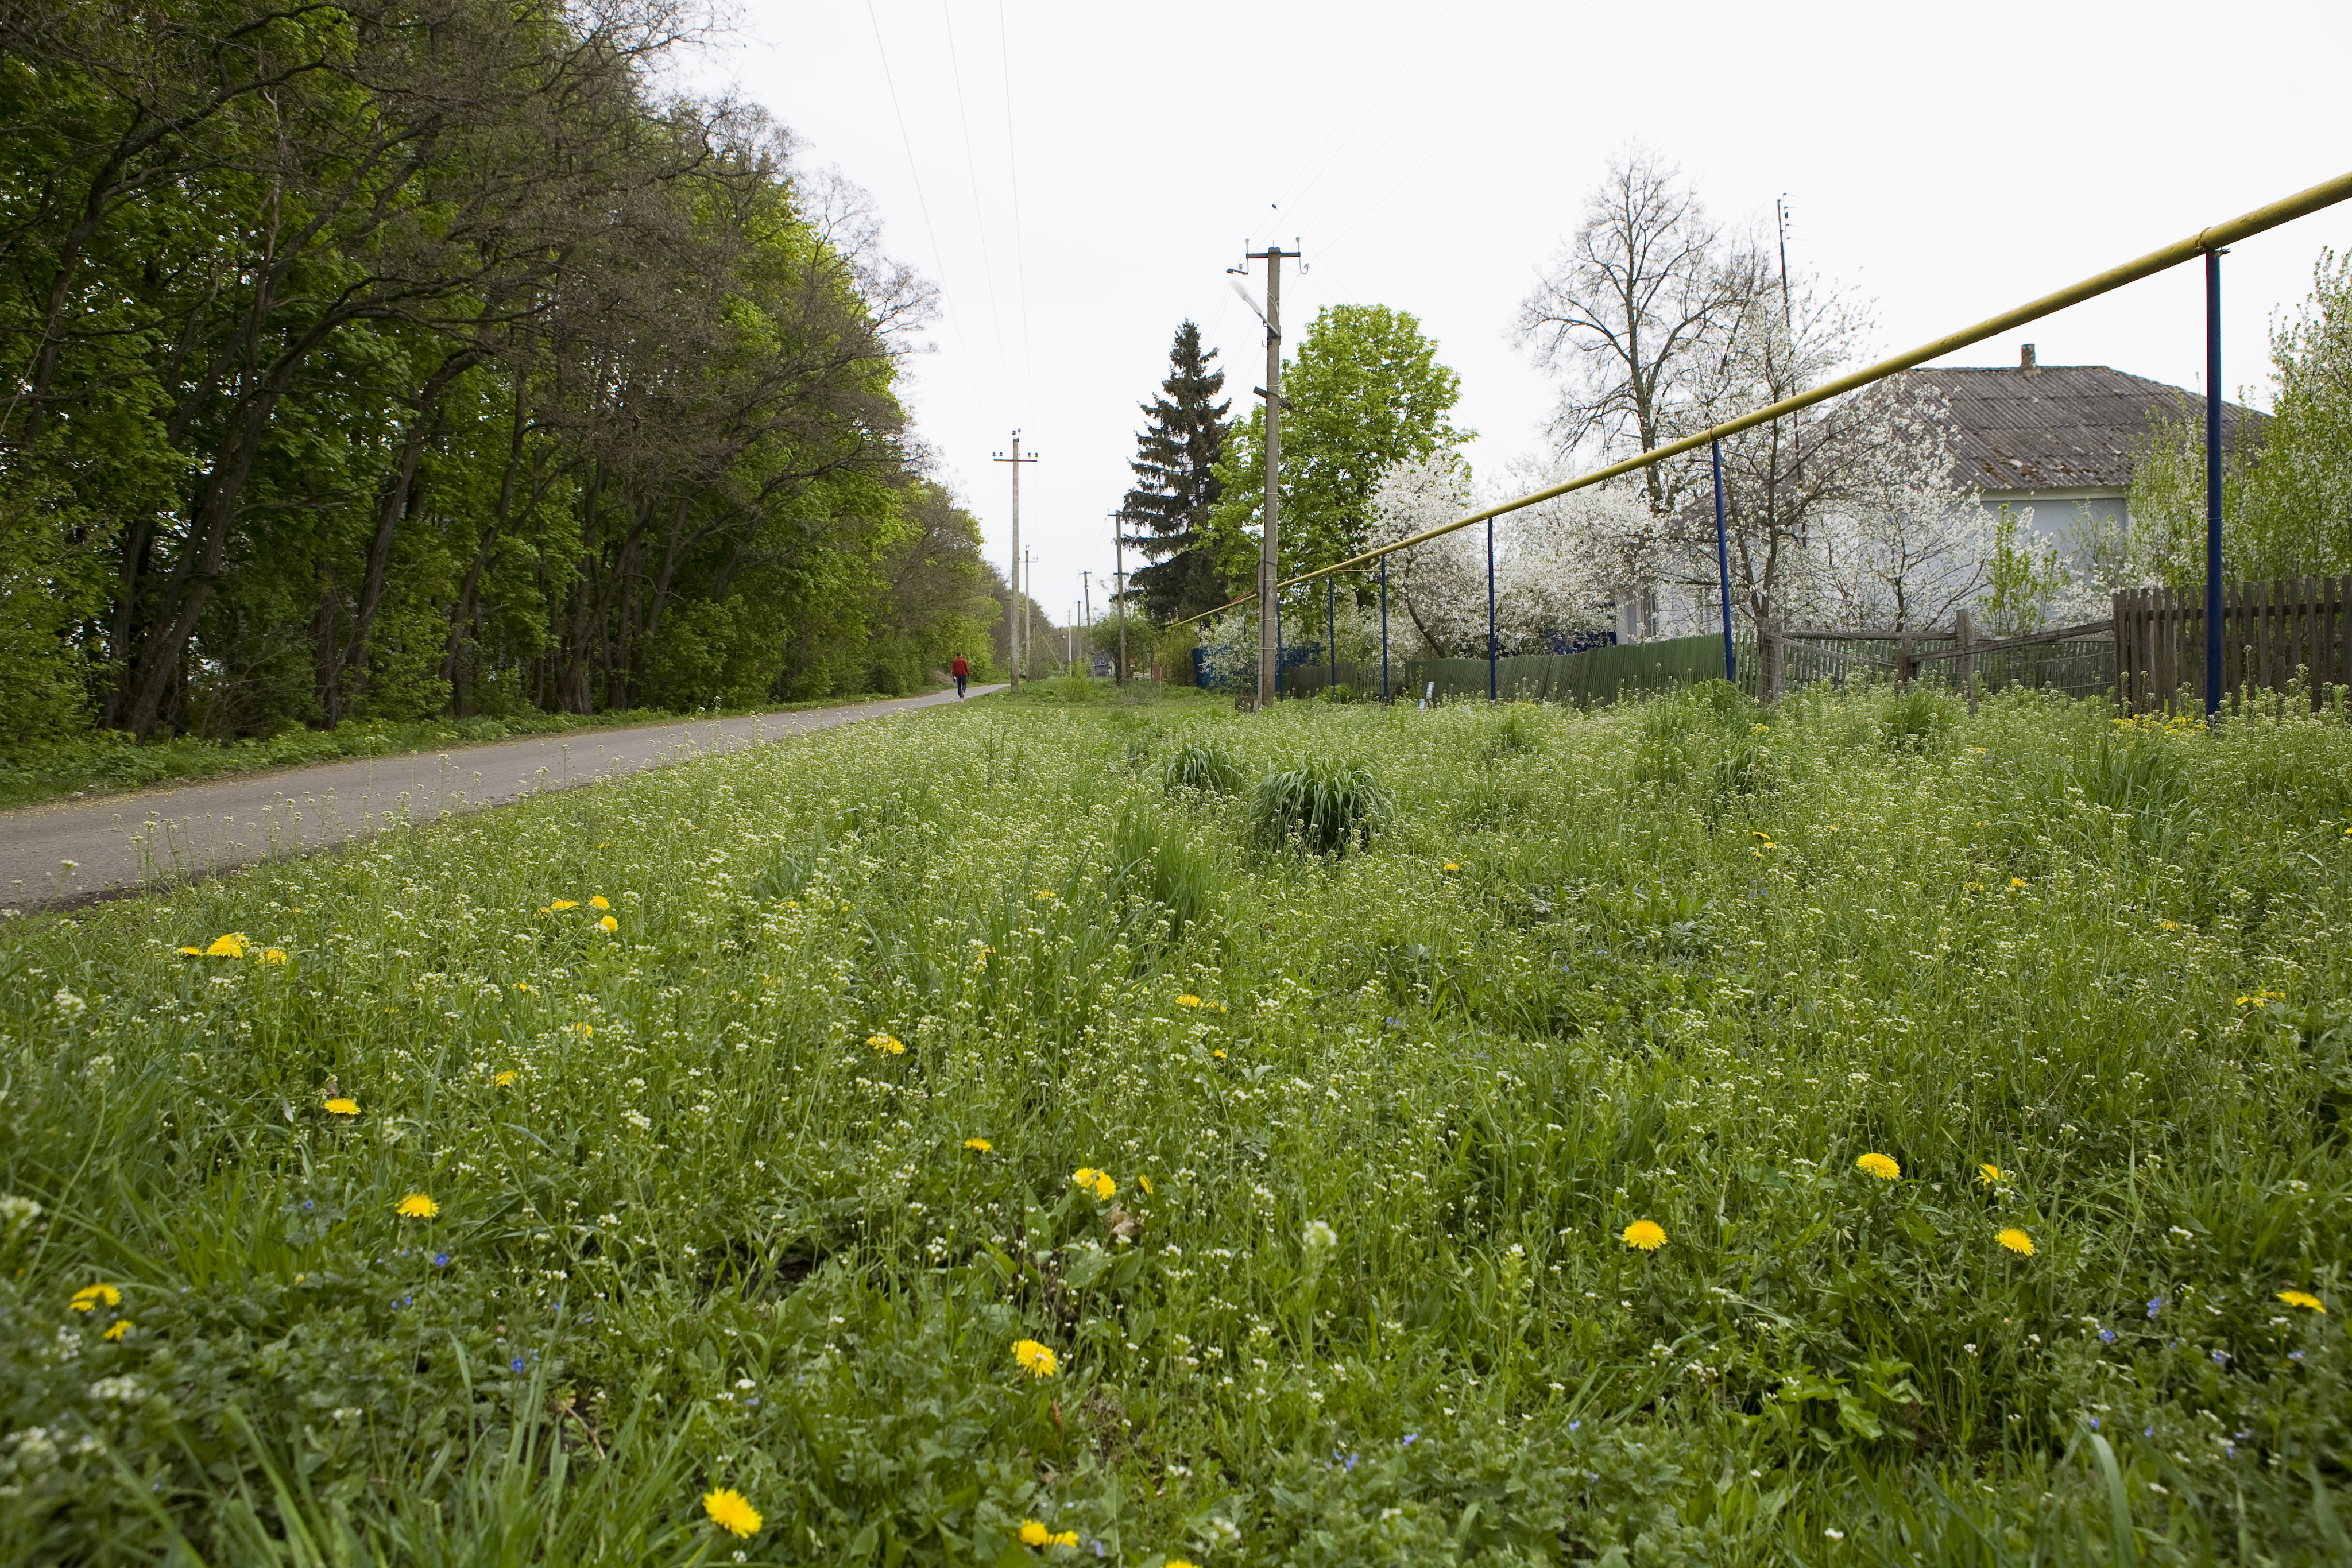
[[1176, 484]]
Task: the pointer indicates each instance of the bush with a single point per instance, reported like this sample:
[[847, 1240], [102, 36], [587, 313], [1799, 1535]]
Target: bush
[[1318, 807], [1918, 720]]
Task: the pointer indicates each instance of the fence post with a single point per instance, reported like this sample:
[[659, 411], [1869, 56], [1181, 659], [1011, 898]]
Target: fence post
[[1490, 610], [1964, 667], [1904, 670], [1388, 693], [1723, 569]]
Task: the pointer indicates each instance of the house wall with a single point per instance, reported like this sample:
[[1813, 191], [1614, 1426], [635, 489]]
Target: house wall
[[2067, 519]]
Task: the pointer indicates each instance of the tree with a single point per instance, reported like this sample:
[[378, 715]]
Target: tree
[[2286, 485], [1365, 394], [1176, 485], [1628, 312]]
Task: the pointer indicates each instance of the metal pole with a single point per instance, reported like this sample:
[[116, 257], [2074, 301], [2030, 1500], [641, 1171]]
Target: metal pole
[[1331, 628], [1490, 610], [2212, 484], [1016, 633], [1270, 560], [1723, 570], [2215, 237], [1118, 588], [1384, 629], [1276, 684]]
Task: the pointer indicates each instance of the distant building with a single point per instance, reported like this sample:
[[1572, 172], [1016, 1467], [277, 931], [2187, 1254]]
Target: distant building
[[2058, 439]]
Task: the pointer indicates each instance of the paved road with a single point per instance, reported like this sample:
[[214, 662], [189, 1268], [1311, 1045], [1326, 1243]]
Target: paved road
[[75, 850]]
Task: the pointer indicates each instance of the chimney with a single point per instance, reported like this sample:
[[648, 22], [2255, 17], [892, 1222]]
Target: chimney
[[2025, 359]]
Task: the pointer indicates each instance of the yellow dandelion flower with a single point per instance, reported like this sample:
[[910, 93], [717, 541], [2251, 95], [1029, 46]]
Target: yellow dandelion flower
[[731, 1512], [1096, 1181], [1145, 1183], [1992, 1175], [2017, 1242], [2168, 924], [1034, 1534], [1037, 1360], [2303, 1299], [1188, 1000], [1879, 1165], [506, 1080], [609, 923], [119, 1327], [524, 986], [1219, 1054], [2017, 882], [887, 1044], [416, 1205], [340, 1107], [1450, 865], [600, 901], [1645, 1236], [90, 1298], [983, 1145], [230, 945], [191, 952], [1219, 1007], [1047, 894], [582, 1030], [563, 904], [274, 956]]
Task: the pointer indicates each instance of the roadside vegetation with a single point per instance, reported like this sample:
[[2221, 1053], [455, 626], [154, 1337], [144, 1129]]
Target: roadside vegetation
[[1066, 1129]]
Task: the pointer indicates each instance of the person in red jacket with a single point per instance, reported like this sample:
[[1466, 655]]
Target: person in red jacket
[[962, 671]]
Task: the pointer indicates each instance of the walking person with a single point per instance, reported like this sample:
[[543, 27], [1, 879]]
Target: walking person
[[962, 671]]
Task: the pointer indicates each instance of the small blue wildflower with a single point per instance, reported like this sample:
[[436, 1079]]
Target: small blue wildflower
[[2220, 1357], [518, 1364], [2108, 1335], [440, 1259], [2095, 1423], [2230, 1449], [1410, 1438], [2155, 1306], [2150, 1433], [2294, 1355], [1572, 1425], [2246, 1434], [309, 1204]]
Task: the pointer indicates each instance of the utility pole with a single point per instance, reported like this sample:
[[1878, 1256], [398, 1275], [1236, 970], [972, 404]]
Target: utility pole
[[1028, 596], [1017, 621], [1269, 553], [1119, 586], [1087, 589]]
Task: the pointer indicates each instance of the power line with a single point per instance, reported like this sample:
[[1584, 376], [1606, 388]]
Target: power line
[[939, 256], [979, 212], [1020, 246]]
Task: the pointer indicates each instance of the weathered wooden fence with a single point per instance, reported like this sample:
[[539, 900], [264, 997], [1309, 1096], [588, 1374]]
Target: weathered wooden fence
[[2270, 631], [2076, 660]]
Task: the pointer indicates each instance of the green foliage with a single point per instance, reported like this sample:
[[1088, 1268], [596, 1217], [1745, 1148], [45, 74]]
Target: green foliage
[[1177, 484], [2022, 579], [2286, 494], [1208, 766], [1319, 807], [1919, 718], [1365, 392], [1376, 1128]]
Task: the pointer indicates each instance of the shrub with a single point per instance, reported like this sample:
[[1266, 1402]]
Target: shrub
[[1918, 720], [1318, 807]]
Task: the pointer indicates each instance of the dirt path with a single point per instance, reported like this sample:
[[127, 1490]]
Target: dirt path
[[72, 851]]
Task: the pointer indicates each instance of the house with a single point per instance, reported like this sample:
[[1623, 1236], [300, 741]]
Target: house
[[2058, 439]]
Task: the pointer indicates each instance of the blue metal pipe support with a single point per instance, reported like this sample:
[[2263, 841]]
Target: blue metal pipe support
[[1386, 690], [1276, 687], [2212, 484], [1490, 610], [1331, 627], [1723, 570]]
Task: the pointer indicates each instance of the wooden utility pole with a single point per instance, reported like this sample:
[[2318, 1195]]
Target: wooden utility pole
[[1269, 552], [1028, 597], [1020, 614]]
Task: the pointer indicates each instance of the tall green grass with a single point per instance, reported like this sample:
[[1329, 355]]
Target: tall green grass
[[1374, 1128]]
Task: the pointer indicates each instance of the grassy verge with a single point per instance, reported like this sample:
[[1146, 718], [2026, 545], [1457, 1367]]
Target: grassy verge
[[107, 762], [1858, 1132]]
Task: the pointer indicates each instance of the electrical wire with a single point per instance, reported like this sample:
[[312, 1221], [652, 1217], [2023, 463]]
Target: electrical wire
[[939, 256], [1019, 242], [979, 209]]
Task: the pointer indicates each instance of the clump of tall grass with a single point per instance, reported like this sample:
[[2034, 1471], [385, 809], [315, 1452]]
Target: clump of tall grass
[[1207, 766], [1320, 807]]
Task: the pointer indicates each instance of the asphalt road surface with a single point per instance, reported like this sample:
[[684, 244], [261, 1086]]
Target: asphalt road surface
[[72, 851]]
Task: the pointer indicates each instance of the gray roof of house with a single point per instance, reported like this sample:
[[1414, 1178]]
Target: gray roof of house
[[2055, 427]]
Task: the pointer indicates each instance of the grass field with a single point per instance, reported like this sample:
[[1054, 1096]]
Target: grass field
[[1855, 1131]]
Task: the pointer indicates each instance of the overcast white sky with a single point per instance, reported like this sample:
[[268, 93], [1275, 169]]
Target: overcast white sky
[[1077, 178]]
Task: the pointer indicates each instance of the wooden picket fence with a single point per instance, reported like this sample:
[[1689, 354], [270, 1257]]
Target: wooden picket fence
[[2270, 632]]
